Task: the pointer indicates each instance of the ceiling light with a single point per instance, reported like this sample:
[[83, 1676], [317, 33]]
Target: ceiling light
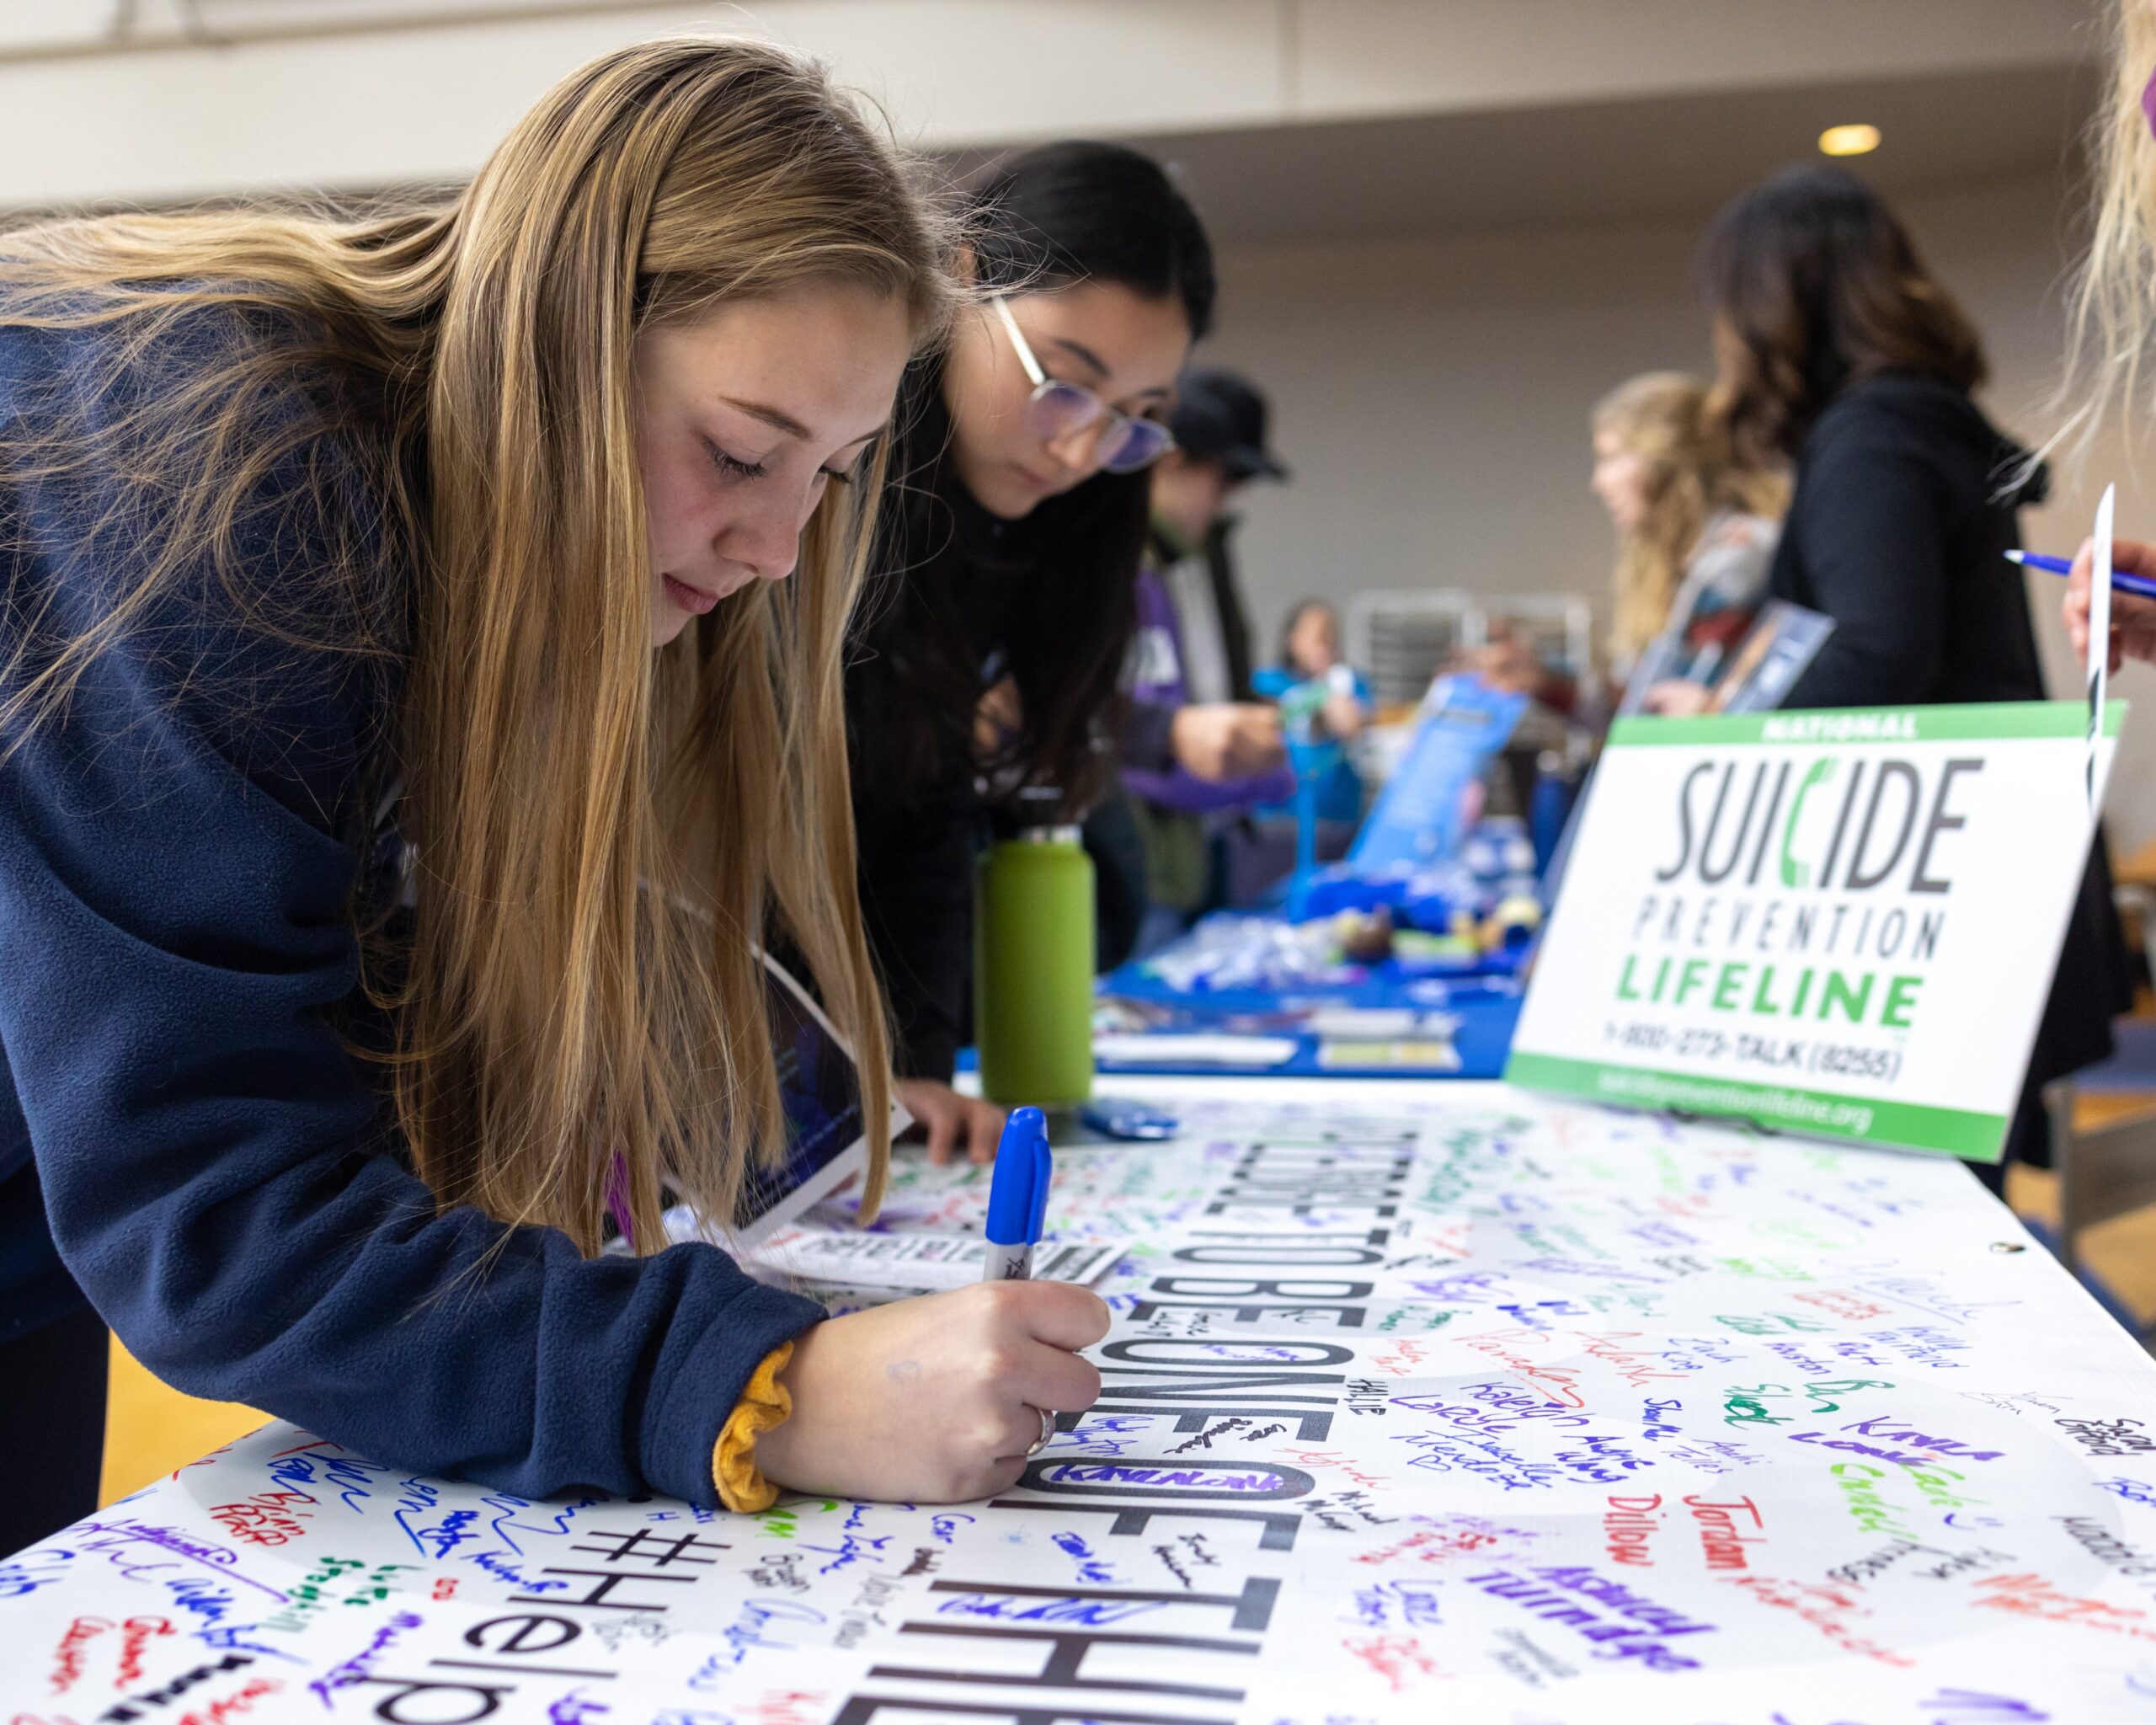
[[1848, 140]]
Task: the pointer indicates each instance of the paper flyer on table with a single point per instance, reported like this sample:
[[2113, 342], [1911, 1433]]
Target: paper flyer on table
[[920, 1261]]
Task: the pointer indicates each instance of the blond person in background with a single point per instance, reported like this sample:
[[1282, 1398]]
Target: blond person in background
[[1695, 538], [2115, 308]]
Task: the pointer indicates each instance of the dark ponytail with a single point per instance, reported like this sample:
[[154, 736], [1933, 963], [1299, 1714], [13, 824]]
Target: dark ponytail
[[1049, 218], [1073, 212]]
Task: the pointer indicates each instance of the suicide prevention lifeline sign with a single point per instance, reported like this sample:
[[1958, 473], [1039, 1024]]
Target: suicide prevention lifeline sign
[[1839, 924]]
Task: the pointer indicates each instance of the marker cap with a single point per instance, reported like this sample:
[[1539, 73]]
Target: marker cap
[[1022, 1165]]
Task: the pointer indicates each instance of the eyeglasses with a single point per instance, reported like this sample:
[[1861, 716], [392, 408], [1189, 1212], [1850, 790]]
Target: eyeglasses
[[1058, 410]]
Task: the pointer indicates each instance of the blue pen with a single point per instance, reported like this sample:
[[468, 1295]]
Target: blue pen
[[1017, 1197], [2063, 566]]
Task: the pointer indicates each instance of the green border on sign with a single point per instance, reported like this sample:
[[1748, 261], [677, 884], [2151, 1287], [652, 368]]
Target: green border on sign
[[1958, 1132], [1991, 721]]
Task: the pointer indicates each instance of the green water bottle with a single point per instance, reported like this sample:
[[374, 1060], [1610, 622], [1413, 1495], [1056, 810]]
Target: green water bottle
[[1033, 968]]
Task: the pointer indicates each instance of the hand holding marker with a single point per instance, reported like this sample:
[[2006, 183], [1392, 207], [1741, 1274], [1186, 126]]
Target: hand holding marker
[[1018, 1213], [945, 1398], [1017, 1197], [2131, 614]]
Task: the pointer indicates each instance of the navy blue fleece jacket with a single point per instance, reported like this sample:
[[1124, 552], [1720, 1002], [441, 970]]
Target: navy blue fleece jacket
[[184, 1133]]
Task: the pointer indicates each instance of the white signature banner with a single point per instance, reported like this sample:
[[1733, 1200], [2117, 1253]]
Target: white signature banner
[[1421, 1402]]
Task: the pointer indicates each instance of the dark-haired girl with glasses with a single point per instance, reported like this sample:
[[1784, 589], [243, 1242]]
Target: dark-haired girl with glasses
[[985, 678]]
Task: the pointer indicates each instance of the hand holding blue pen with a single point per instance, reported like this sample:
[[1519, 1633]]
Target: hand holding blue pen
[[2132, 605], [1017, 1197]]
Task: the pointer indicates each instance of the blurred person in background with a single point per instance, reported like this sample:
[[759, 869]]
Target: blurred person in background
[[1220, 423], [1310, 653], [1696, 535], [1840, 350], [1197, 751], [1696, 530]]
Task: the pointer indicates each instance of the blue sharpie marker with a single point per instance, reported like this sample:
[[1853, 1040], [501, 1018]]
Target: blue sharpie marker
[[1017, 1197]]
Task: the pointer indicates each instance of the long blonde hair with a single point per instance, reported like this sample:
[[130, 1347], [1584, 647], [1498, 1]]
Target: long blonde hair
[[1661, 418], [603, 836], [2113, 311]]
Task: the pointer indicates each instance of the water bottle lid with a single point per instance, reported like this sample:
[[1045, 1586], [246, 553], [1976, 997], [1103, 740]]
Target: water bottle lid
[[1050, 835]]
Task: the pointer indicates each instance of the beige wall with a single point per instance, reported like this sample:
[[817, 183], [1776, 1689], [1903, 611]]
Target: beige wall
[[1432, 396]]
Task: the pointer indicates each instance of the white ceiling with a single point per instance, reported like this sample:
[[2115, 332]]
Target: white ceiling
[[1672, 157], [1291, 119]]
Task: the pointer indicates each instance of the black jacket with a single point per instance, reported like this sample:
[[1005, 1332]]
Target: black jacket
[[919, 832], [1903, 510], [962, 600]]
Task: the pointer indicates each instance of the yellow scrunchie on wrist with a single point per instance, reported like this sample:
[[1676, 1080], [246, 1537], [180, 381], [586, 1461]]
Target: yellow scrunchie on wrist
[[765, 1402]]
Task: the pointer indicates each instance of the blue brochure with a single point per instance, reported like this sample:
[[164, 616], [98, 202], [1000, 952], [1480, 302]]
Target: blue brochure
[[1418, 817]]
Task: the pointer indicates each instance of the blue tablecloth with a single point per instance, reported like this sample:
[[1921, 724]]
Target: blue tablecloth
[[1329, 1019]]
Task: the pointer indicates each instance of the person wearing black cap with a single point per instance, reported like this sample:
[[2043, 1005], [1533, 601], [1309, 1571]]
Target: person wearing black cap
[[1199, 748], [1219, 425]]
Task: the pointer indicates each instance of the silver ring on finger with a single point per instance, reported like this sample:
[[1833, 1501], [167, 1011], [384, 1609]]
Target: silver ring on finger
[[1048, 1430]]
